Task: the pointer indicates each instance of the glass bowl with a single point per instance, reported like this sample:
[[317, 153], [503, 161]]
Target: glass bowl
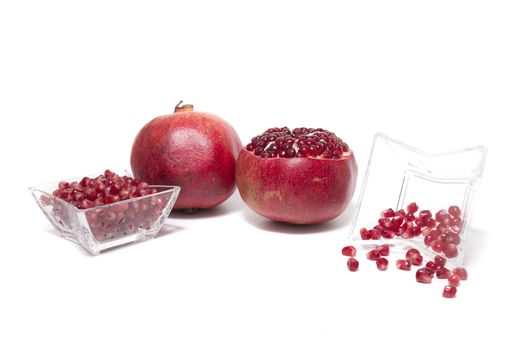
[[397, 175], [107, 226]]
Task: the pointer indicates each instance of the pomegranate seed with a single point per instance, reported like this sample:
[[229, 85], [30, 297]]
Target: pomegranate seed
[[454, 211], [450, 250], [62, 185], [352, 264], [442, 272], [425, 215], [449, 291], [374, 234], [454, 229], [382, 264], [365, 235], [373, 255], [401, 213], [437, 246], [452, 238], [403, 264], [453, 280], [423, 276], [461, 273], [410, 217], [383, 250], [456, 221], [349, 250], [414, 256], [440, 261], [440, 215], [431, 266], [412, 208], [442, 228], [388, 213], [388, 233]]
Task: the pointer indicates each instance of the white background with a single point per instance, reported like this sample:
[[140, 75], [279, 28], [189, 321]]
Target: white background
[[78, 80]]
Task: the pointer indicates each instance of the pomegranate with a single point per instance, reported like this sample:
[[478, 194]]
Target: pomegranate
[[304, 176], [193, 150]]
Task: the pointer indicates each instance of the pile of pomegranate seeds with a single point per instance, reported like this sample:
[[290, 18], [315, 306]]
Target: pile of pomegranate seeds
[[112, 221], [441, 233], [104, 189], [301, 142]]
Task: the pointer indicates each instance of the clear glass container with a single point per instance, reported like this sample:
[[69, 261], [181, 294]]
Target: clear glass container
[[397, 175], [107, 226]]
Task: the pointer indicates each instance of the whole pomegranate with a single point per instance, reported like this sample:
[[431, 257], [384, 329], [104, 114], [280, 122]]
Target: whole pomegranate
[[193, 150], [304, 176]]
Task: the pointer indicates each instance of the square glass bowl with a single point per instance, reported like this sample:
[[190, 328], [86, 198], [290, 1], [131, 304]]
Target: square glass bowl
[[107, 226], [397, 175]]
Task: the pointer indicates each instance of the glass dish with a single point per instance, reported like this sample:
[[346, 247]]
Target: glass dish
[[107, 226], [397, 175]]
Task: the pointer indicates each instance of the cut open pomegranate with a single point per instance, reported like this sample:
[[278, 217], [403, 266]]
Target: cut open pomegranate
[[304, 176]]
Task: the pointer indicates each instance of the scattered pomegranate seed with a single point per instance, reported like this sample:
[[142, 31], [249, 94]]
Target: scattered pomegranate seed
[[461, 272], [431, 266], [440, 261], [449, 292], [412, 208], [348, 250], [383, 250], [403, 264], [373, 255], [382, 264], [414, 257], [450, 250], [424, 276], [454, 280], [365, 235], [442, 272], [352, 264]]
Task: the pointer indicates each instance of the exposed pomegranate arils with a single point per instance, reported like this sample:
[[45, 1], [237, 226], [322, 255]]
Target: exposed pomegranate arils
[[450, 250], [348, 250], [410, 217], [449, 292], [352, 264], [382, 264], [374, 233], [423, 276], [442, 272], [454, 280], [403, 264], [388, 213], [454, 211], [373, 255], [461, 273], [412, 208], [454, 229], [303, 142], [383, 250]]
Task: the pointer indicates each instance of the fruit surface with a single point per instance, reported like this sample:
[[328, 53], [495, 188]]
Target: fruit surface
[[194, 150], [304, 176]]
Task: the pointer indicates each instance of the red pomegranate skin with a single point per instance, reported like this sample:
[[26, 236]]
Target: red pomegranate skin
[[194, 150], [296, 190]]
